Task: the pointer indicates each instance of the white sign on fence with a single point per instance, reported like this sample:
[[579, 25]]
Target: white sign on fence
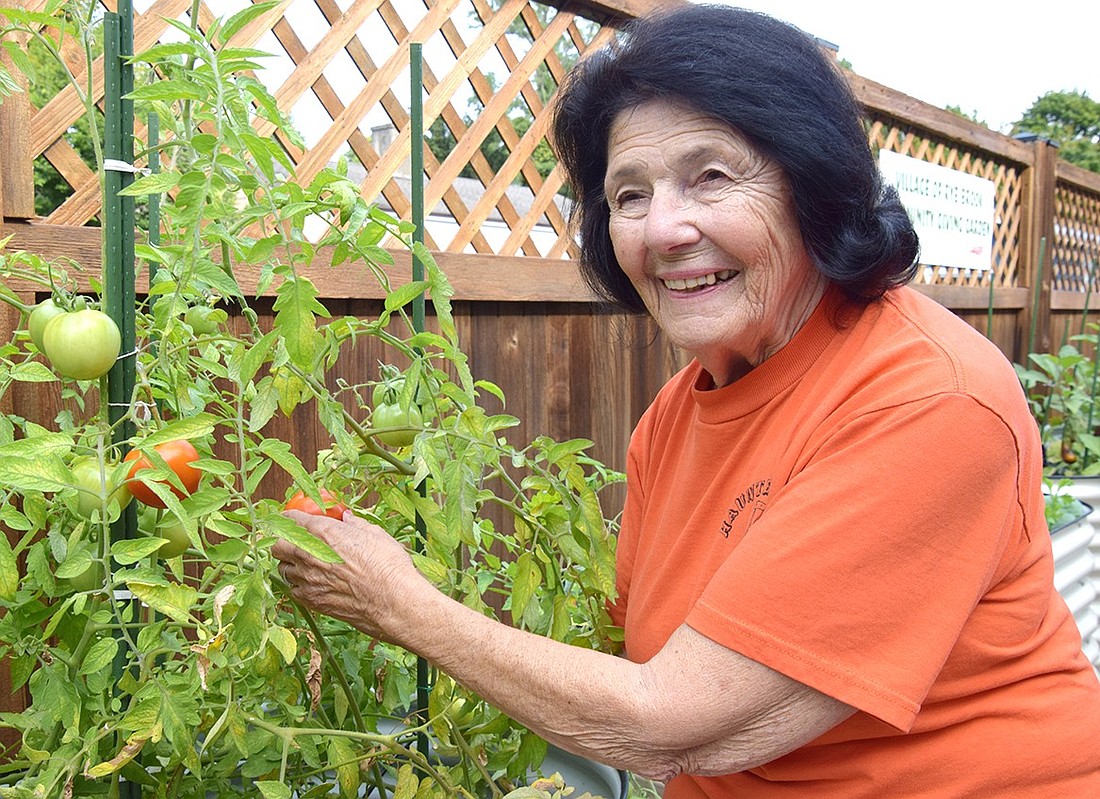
[[953, 212]]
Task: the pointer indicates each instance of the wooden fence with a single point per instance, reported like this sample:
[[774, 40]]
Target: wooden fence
[[569, 366]]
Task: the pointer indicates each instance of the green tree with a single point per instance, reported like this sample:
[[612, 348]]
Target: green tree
[[1069, 119], [971, 115]]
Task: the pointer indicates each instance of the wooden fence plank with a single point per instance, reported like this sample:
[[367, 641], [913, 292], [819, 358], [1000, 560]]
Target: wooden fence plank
[[16, 163]]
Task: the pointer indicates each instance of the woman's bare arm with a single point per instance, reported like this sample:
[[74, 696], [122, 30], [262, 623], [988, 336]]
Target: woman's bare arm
[[696, 707]]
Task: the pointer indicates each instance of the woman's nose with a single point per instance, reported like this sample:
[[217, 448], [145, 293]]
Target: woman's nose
[[670, 222]]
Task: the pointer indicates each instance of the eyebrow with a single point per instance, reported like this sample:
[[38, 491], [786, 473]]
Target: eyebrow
[[691, 157]]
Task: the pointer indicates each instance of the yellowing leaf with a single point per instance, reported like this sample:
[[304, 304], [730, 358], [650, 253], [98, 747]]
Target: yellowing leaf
[[342, 757], [124, 756], [407, 783], [173, 600], [9, 570], [283, 640], [272, 789], [527, 580]]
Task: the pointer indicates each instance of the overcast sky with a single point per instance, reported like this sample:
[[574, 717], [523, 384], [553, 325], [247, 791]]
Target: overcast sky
[[995, 58]]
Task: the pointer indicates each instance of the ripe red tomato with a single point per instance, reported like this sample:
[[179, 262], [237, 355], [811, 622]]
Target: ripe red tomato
[[82, 345], [334, 508], [179, 455]]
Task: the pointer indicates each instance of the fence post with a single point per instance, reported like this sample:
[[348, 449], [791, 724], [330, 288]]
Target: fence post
[[16, 167], [1037, 222]]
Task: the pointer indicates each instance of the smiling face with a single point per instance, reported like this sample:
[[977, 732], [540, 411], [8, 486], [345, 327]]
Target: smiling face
[[704, 227]]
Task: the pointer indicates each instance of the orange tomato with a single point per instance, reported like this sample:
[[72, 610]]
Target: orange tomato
[[179, 455], [333, 508]]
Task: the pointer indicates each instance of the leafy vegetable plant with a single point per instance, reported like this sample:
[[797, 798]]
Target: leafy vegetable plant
[[166, 653], [1062, 393]]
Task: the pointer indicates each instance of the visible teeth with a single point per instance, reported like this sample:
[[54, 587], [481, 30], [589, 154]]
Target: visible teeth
[[702, 280]]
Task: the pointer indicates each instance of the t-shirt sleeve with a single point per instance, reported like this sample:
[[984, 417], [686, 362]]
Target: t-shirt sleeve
[[864, 568]]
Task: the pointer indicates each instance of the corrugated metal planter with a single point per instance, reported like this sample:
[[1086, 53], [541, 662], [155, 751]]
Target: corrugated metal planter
[[1076, 545]]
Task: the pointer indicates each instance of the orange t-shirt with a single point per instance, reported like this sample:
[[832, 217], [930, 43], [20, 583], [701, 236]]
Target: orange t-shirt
[[863, 513]]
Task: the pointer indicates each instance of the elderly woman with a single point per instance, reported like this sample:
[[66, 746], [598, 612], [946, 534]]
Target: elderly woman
[[834, 571]]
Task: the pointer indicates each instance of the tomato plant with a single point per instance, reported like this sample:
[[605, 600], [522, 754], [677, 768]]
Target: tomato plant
[[179, 456], [209, 681], [331, 506], [82, 345]]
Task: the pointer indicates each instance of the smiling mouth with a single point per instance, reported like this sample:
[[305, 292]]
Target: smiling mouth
[[695, 283]]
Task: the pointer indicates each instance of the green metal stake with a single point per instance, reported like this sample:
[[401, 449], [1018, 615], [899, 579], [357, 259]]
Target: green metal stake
[[1036, 293], [118, 271], [1090, 277], [416, 146], [989, 307]]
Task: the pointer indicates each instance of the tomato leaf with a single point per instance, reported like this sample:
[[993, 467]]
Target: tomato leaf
[[38, 445], [158, 183], [99, 656], [173, 600], [296, 308], [279, 451], [9, 570], [271, 789], [248, 621], [32, 372], [143, 713], [527, 579], [198, 426], [246, 361], [403, 295], [341, 758], [283, 640], [37, 474], [235, 23], [294, 533], [132, 550], [167, 91], [78, 562]]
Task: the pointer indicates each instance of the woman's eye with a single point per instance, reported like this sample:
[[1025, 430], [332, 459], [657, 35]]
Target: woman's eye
[[624, 199], [712, 175]]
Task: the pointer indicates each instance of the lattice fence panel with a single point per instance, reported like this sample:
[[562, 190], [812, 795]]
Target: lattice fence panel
[[891, 134], [1075, 256], [340, 70]]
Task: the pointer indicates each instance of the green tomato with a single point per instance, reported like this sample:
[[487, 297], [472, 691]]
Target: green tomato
[[88, 580], [39, 317], [151, 522], [388, 392], [175, 537], [394, 416], [204, 320], [147, 519], [90, 489], [83, 345]]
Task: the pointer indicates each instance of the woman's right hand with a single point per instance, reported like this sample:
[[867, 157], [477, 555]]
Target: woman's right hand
[[369, 589]]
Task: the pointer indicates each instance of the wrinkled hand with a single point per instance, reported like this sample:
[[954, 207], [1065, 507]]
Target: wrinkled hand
[[376, 581]]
